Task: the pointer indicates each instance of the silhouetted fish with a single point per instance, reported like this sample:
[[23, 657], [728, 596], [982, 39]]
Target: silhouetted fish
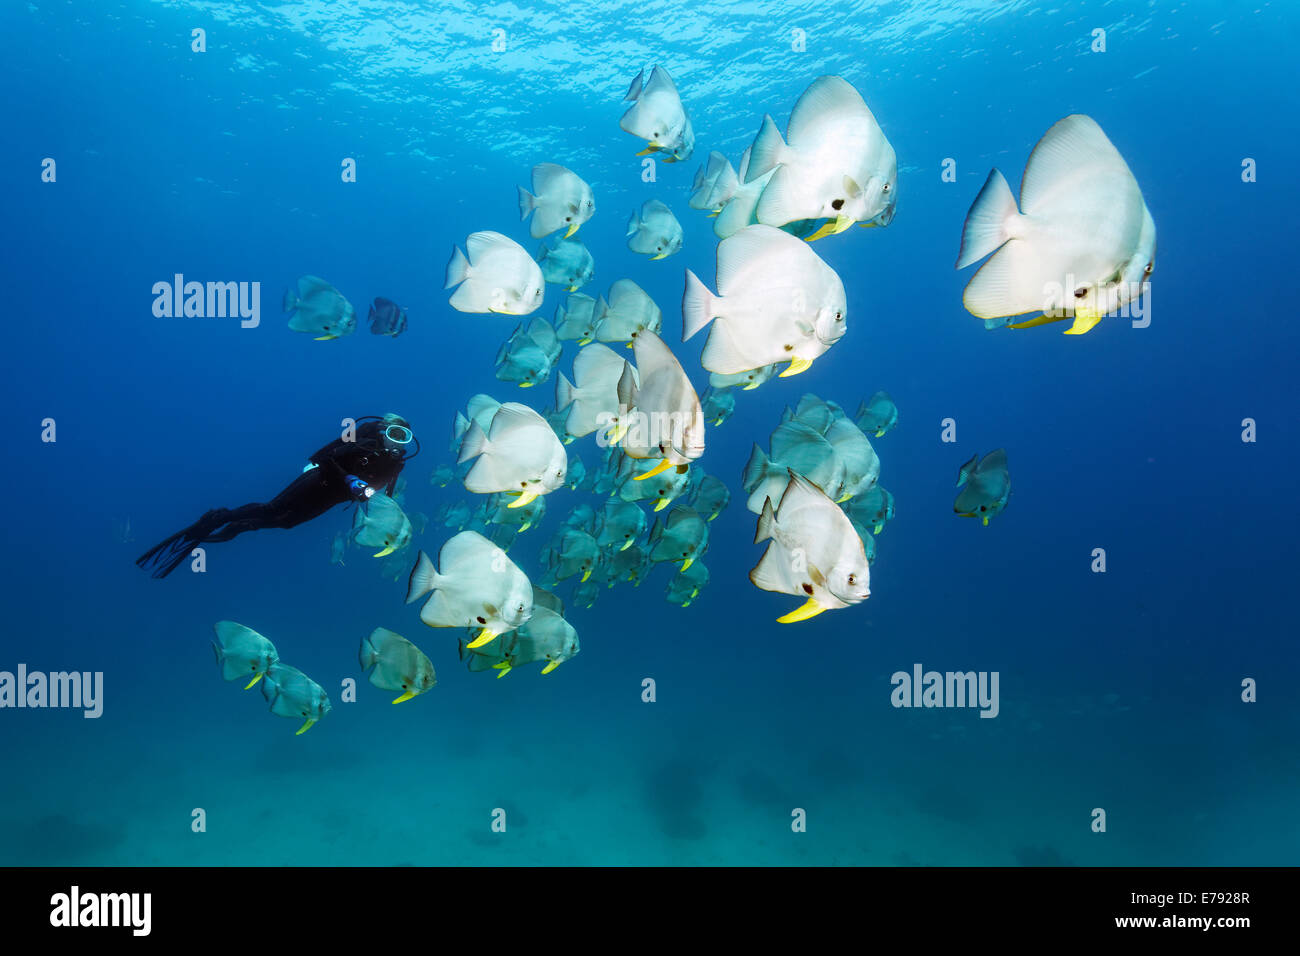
[[387, 318]]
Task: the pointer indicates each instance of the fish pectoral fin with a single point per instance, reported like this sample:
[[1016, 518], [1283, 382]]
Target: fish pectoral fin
[[664, 465], [1084, 320], [551, 666], [485, 636], [809, 608], [305, 727], [795, 367], [407, 696], [525, 498], [250, 684]]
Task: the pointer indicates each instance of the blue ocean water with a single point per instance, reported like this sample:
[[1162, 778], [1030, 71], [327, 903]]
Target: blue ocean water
[[1119, 690]]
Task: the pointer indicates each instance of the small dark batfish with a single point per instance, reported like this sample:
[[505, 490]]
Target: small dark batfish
[[387, 318]]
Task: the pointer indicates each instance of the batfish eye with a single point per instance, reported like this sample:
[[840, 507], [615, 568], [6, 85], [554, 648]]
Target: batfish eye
[[1080, 292], [1147, 271], [853, 579], [837, 204], [886, 189]]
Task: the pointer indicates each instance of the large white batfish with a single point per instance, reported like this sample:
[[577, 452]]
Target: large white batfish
[[1081, 245], [592, 398], [658, 117], [654, 231], [397, 664], [478, 586], [777, 301], [560, 200], [815, 552], [518, 453], [627, 311], [834, 164], [666, 421], [498, 275]]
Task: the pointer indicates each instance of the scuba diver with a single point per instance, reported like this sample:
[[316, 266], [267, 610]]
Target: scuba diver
[[342, 471]]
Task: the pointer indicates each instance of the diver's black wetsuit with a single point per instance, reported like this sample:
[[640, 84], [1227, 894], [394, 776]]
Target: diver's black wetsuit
[[370, 458]]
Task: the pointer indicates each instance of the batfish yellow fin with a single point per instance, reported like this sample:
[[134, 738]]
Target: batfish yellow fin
[[661, 504], [249, 685], [305, 727], [795, 367], [1043, 319], [688, 562], [750, 387], [551, 666], [586, 574], [1084, 320], [570, 231], [664, 465], [525, 498], [388, 550], [809, 608], [485, 636], [407, 696], [626, 544]]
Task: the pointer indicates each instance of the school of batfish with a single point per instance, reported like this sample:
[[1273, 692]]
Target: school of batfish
[[1075, 246]]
